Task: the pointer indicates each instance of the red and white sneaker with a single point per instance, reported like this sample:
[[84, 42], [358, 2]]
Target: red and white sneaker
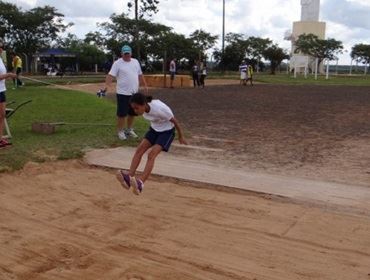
[[124, 179], [137, 185], [4, 143]]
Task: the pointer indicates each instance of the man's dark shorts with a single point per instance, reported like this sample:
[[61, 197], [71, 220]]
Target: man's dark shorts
[[123, 106], [172, 75], [18, 71], [2, 97], [163, 138]]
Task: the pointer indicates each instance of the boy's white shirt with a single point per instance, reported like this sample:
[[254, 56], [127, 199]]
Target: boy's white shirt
[[159, 116]]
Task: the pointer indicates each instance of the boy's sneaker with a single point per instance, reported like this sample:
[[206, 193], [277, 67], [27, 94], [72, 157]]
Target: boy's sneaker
[[137, 185], [124, 179], [4, 143], [122, 135], [131, 133]]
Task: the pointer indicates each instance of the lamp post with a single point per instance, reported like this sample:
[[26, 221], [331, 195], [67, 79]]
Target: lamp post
[[223, 34]]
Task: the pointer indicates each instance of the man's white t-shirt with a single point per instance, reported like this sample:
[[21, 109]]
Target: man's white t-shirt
[[127, 75], [2, 72], [159, 116]]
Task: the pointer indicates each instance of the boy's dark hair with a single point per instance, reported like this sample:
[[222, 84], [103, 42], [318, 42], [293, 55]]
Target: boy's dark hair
[[140, 99]]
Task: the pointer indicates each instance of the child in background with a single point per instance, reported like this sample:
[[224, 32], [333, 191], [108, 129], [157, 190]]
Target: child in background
[[158, 139]]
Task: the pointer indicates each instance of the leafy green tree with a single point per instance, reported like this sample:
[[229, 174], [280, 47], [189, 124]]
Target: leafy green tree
[[275, 55], [361, 52], [202, 41], [143, 7], [310, 44], [29, 31], [87, 54], [256, 46]]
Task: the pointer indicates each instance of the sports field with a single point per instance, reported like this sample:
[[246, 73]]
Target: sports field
[[68, 220]]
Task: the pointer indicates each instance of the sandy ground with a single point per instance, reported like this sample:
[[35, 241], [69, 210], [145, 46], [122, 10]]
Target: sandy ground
[[65, 220]]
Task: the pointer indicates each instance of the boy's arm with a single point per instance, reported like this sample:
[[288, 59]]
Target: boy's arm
[[179, 130]]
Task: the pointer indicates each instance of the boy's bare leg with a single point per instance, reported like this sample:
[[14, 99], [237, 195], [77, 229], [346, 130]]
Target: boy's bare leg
[[154, 152], [140, 151]]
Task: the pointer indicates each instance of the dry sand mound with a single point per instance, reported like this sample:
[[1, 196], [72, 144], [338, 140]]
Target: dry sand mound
[[68, 221]]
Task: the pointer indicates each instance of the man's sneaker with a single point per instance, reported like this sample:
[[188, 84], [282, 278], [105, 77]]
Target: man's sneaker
[[124, 179], [122, 135], [137, 185], [131, 133]]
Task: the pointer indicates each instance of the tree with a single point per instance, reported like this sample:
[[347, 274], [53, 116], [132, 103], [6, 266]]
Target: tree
[[361, 52], [148, 7], [29, 31], [87, 54], [275, 55], [255, 47], [310, 44], [203, 41]]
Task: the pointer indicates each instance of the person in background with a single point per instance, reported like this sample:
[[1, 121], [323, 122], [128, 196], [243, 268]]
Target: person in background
[[243, 68], [17, 69], [250, 74], [203, 74], [172, 71], [3, 76], [195, 74], [127, 71]]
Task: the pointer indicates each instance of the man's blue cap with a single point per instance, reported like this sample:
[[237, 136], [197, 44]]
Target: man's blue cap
[[126, 49]]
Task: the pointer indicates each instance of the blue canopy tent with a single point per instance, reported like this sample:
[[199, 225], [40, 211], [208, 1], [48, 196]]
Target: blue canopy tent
[[55, 60]]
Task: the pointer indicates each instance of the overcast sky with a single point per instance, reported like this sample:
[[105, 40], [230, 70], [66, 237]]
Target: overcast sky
[[347, 20]]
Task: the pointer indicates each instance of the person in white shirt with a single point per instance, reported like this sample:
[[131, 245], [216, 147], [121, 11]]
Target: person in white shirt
[[3, 76], [127, 71], [158, 138], [172, 71]]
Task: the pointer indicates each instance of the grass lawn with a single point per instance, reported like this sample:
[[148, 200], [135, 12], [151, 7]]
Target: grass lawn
[[69, 141]]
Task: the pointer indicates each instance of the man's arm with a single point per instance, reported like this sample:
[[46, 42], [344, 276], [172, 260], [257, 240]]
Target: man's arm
[[143, 82], [108, 82]]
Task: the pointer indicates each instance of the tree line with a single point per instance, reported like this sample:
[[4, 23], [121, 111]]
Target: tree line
[[39, 28]]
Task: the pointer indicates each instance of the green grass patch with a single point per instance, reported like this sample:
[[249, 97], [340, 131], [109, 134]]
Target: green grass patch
[[288, 79], [69, 141]]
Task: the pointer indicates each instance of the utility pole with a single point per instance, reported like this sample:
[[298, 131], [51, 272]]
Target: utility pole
[[223, 35]]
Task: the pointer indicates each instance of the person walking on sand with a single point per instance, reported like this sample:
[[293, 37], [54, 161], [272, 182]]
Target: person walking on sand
[[3, 76], [129, 75], [195, 74], [159, 138]]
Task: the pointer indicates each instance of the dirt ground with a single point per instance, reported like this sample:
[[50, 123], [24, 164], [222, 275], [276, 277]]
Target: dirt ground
[[305, 131], [66, 220]]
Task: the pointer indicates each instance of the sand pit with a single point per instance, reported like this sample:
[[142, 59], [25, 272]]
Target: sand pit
[[65, 220]]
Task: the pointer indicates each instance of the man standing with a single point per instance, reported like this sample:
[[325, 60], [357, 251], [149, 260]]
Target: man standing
[[17, 68], [127, 71], [172, 71], [243, 68]]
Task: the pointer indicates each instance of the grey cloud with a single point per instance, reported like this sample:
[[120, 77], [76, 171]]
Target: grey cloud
[[351, 14], [73, 8]]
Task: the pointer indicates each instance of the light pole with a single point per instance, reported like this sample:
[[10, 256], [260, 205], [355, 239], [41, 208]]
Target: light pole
[[223, 34]]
